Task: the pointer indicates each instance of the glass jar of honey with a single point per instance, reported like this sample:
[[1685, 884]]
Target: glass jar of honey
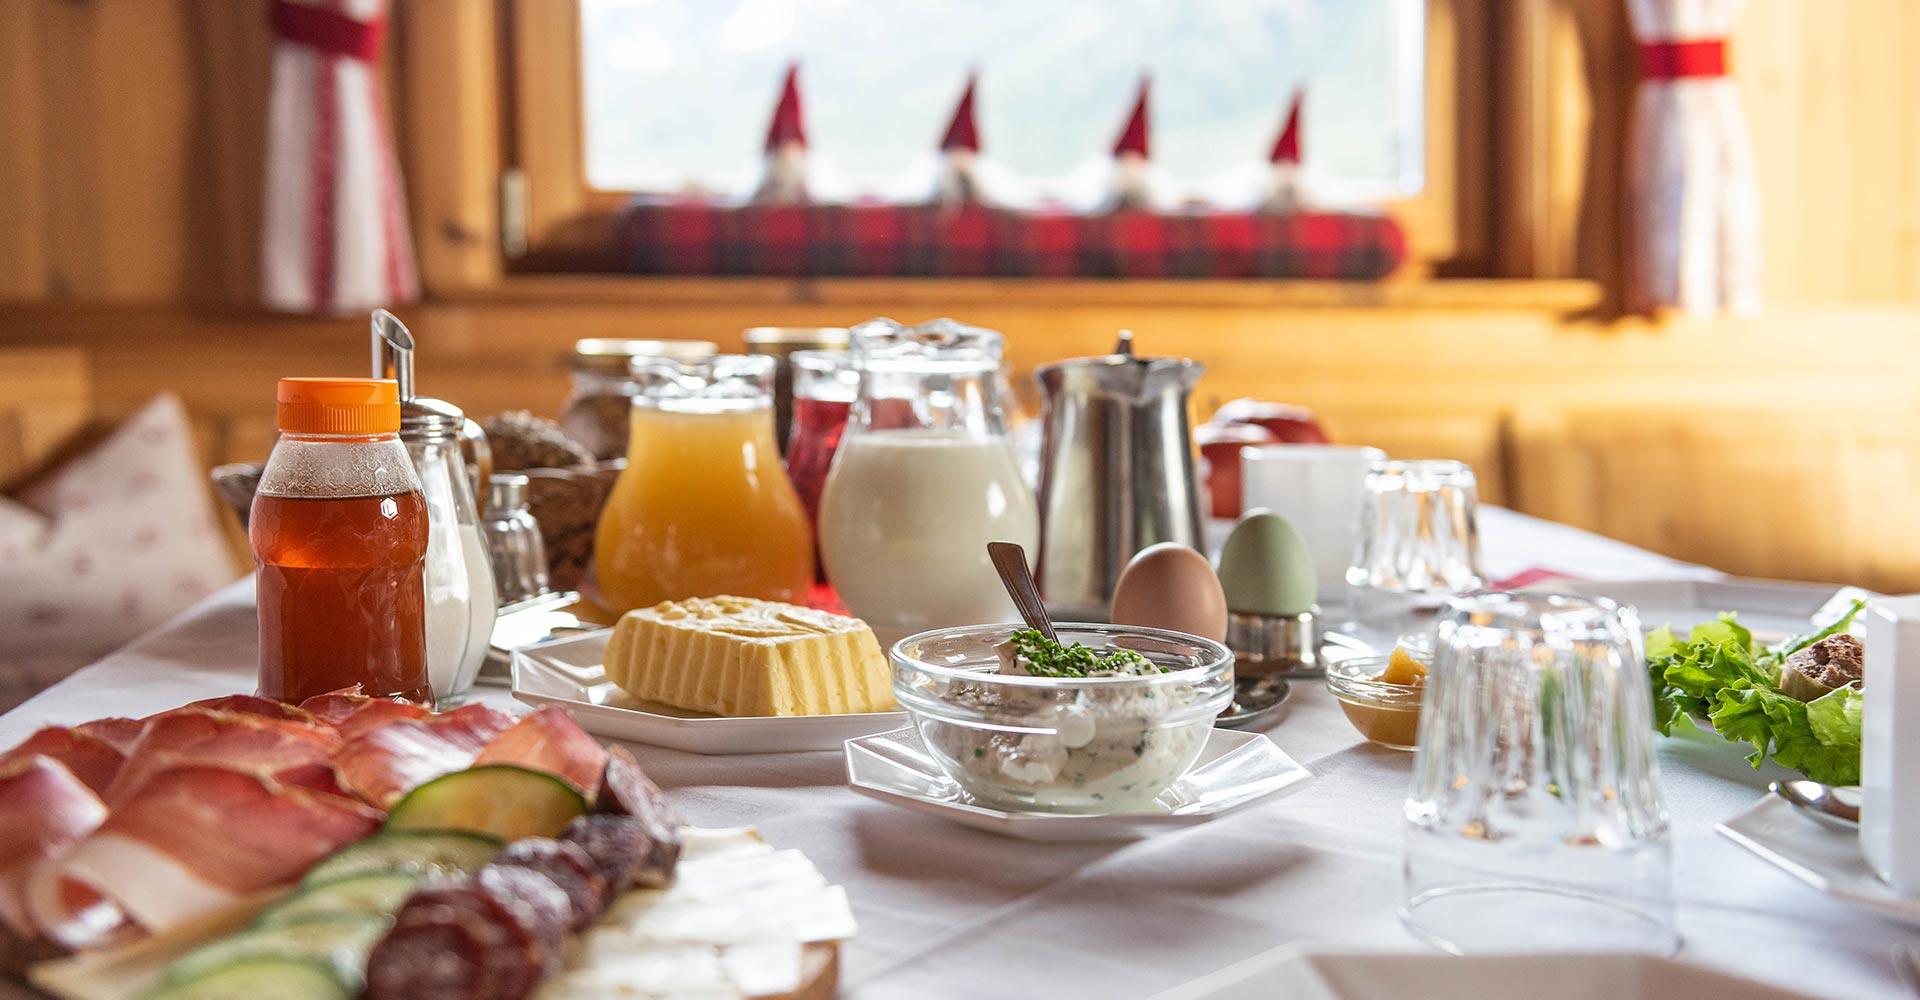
[[339, 535], [596, 410], [704, 507]]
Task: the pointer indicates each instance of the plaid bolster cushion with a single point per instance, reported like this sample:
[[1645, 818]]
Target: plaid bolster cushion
[[670, 237]]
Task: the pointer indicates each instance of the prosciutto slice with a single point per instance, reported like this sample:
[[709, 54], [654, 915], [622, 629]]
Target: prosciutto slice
[[89, 758], [195, 838], [250, 704], [353, 713], [388, 760], [120, 734], [253, 743], [44, 809], [549, 740]]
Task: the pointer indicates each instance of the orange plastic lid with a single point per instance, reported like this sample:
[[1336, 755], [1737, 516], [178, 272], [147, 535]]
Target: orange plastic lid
[[339, 405]]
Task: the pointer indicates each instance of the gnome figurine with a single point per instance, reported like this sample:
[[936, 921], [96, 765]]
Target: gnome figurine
[[1283, 191], [959, 148], [785, 181], [1132, 188]]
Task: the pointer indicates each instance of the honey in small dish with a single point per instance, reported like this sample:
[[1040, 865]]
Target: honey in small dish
[[1382, 701]]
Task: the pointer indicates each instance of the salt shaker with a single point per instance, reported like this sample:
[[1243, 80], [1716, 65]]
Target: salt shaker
[[513, 541], [1890, 743]]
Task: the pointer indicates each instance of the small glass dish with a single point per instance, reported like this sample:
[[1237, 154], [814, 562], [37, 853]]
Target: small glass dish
[[1387, 714], [1083, 745]]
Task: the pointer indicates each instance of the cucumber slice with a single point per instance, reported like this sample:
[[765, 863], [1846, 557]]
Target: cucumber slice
[[257, 978], [370, 893], [341, 941], [424, 852], [506, 801]]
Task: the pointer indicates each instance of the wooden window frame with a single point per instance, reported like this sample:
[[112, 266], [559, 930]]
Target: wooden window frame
[[493, 106]]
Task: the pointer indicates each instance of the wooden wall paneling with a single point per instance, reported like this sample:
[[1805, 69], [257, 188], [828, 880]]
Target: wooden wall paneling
[[115, 76], [45, 398], [1476, 437], [1805, 495], [1829, 90], [231, 50], [23, 224], [450, 128]]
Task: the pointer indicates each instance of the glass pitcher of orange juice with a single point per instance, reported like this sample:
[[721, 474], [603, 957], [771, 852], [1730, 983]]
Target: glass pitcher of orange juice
[[704, 506]]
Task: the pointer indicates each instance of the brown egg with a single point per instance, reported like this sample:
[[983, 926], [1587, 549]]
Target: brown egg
[[1173, 587]]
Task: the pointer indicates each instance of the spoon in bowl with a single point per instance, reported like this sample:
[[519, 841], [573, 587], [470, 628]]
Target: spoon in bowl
[[1010, 561]]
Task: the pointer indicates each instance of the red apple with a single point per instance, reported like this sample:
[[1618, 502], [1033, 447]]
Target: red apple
[[1220, 446], [1289, 424]]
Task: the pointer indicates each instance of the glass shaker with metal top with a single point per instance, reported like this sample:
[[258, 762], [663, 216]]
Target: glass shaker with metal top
[[518, 556], [459, 573]]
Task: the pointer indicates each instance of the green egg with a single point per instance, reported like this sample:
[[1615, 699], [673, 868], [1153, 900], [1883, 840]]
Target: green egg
[[1265, 568]]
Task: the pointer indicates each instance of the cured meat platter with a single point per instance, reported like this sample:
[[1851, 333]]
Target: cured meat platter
[[351, 846]]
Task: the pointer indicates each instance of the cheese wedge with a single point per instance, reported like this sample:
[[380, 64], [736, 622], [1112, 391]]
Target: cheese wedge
[[737, 656]]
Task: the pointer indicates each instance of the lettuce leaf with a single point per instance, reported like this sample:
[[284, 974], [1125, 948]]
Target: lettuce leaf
[[1718, 675]]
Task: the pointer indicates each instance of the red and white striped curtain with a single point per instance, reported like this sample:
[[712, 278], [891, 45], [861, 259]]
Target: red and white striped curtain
[[334, 238], [1695, 195]]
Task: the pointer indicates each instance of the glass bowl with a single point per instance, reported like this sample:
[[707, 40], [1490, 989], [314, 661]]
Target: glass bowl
[[1387, 714], [1062, 744]]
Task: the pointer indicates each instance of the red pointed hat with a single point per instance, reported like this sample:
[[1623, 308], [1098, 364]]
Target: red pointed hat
[[786, 125], [961, 132], [1286, 149], [1133, 138]]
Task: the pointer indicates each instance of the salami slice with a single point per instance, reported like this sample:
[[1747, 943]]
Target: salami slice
[[435, 949], [569, 867], [493, 935], [625, 790], [625, 850]]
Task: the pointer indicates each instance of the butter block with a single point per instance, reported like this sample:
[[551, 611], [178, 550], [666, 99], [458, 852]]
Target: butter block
[[737, 656]]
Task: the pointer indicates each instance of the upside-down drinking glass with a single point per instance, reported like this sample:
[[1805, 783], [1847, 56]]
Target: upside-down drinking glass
[[1418, 541], [1535, 820]]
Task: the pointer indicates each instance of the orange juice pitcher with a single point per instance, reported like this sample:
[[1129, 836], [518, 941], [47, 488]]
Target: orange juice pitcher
[[704, 507]]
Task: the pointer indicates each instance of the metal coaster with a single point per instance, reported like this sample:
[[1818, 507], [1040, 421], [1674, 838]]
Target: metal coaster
[[1258, 702]]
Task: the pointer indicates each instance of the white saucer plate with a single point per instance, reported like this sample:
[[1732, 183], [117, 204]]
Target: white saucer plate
[[1302, 972], [1235, 769], [570, 673], [1827, 859]]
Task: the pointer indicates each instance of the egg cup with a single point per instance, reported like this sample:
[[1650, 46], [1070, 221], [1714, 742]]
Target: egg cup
[[1275, 644]]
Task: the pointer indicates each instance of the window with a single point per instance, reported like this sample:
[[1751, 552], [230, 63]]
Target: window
[[677, 93], [600, 99]]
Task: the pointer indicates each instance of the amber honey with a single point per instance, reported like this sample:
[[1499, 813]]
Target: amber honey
[[340, 595]]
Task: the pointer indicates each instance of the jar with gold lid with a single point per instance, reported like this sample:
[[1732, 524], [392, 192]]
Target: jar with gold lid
[[782, 343], [603, 387]]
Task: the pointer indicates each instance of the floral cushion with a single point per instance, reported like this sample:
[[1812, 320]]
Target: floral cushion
[[103, 548]]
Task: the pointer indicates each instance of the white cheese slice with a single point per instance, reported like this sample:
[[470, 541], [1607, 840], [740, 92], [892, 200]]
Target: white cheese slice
[[734, 923]]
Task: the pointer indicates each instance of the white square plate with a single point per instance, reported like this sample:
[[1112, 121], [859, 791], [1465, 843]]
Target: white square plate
[[1822, 857], [1234, 769], [569, 673], [1773, 609], [1301, 973]]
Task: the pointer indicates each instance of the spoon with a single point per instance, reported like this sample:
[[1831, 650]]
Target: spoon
[[1010, 561], [1819, 803]]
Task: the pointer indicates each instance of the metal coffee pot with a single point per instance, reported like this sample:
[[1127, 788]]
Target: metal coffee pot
[[1116, 472]]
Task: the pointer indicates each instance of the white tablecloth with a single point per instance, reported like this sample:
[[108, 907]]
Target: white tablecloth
[[951, 912]]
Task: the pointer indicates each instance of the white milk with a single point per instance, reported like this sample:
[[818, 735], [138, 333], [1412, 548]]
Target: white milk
[[904, 524], [484, 606]]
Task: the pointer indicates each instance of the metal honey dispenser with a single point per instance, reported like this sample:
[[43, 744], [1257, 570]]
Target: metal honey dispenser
[[1116, 472]]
